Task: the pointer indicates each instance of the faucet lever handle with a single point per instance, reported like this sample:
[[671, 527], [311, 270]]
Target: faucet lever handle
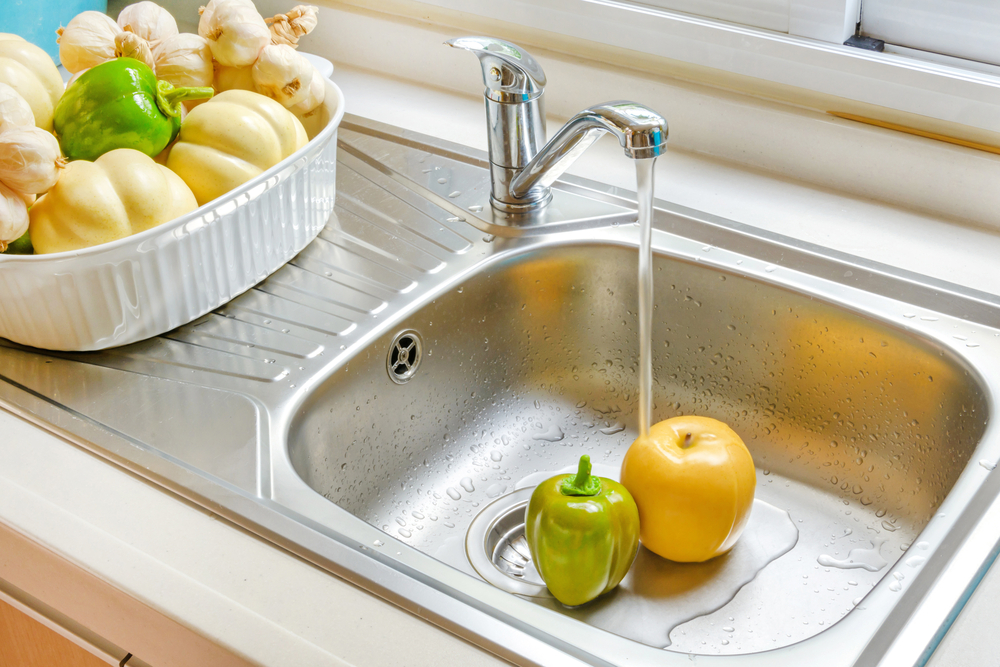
[[510, 73]]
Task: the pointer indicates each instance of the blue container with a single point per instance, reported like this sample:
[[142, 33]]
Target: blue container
[[37, 20]]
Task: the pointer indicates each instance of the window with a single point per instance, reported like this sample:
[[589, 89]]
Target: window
[[793, 43], [967, 29]]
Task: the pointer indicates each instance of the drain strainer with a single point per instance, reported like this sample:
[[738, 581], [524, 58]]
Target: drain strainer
[[498, 550], [404, 356]]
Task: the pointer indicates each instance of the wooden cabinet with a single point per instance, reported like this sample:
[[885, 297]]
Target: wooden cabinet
[[24, 642]]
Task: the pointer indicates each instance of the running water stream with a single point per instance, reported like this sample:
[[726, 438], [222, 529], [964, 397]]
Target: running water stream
[[644, 193]]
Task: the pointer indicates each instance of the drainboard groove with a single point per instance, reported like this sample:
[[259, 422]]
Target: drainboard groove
[[384, 249]]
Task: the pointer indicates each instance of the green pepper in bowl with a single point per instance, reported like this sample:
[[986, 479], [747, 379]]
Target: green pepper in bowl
[[119, 104]]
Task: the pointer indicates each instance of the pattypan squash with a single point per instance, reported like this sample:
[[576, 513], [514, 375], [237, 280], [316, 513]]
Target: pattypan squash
[[693, 480], [232, 138], [30, 71], [121, 193]]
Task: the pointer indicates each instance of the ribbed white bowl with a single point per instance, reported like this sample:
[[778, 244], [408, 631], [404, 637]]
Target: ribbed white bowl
[[144, 285]]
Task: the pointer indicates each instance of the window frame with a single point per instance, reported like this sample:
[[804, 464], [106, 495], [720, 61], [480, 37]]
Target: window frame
[[938, 90]]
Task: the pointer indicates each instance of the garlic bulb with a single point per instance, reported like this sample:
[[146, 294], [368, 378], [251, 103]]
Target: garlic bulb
[[282, 74], [76, 76], [14, 110], [29, 160], [130, 45], [315, 94], [287, 28], [149, 21], [13, 216], [206, 12], [88, 40], [184, 60], [235, 31]]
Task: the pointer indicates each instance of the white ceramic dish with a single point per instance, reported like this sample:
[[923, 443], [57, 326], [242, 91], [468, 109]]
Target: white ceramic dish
[[144, 285]]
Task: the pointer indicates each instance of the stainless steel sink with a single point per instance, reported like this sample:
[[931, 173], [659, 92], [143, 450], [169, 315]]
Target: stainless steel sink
[[379, 406]]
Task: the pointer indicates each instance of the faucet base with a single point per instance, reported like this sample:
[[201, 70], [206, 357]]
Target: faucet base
[[527, 207]]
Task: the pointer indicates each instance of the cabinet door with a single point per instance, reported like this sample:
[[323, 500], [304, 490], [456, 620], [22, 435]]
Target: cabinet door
[[24, 642]]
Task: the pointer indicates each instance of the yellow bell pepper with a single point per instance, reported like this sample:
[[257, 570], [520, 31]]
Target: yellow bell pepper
[[121, 193], [232, 138], [693, 481], [30, 71]]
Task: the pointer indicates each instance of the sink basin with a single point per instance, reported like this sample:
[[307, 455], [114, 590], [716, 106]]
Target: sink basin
[[859, 428], [382, 406]]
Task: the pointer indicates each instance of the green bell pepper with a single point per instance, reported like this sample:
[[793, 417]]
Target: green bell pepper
[[119, 104], [22, 246], [583, 534]]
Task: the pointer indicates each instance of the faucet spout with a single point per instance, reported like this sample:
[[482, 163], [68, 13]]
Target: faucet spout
[[641, 132]]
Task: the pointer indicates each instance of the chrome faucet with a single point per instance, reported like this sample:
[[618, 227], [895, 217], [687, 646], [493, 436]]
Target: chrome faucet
[[522, 165]]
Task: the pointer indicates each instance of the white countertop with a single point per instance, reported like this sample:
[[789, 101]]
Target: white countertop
[[175, 585]]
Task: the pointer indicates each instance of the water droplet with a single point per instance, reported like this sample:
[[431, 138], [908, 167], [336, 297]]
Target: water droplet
[[442, 180], [989, 465], [909, 316], [378, 543], [404, 532], [495, 490], [729, 628], [400, 521], [453, 493], [916, 561], [617, 427], [467, 484], [869, 559], [454, 218], [452, 195], [496, 456], [770, 268], [553, 434], [489, 238], [418, 515], [476, 208]]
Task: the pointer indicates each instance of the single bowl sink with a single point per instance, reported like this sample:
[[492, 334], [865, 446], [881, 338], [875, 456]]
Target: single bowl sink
[[858, 428], [383, 405]]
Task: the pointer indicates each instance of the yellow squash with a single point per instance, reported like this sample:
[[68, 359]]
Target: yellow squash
[[232, 138], [30, 71], [122, 193], [693, 481]]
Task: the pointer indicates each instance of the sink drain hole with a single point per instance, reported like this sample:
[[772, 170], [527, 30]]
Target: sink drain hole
[[404, 356]]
